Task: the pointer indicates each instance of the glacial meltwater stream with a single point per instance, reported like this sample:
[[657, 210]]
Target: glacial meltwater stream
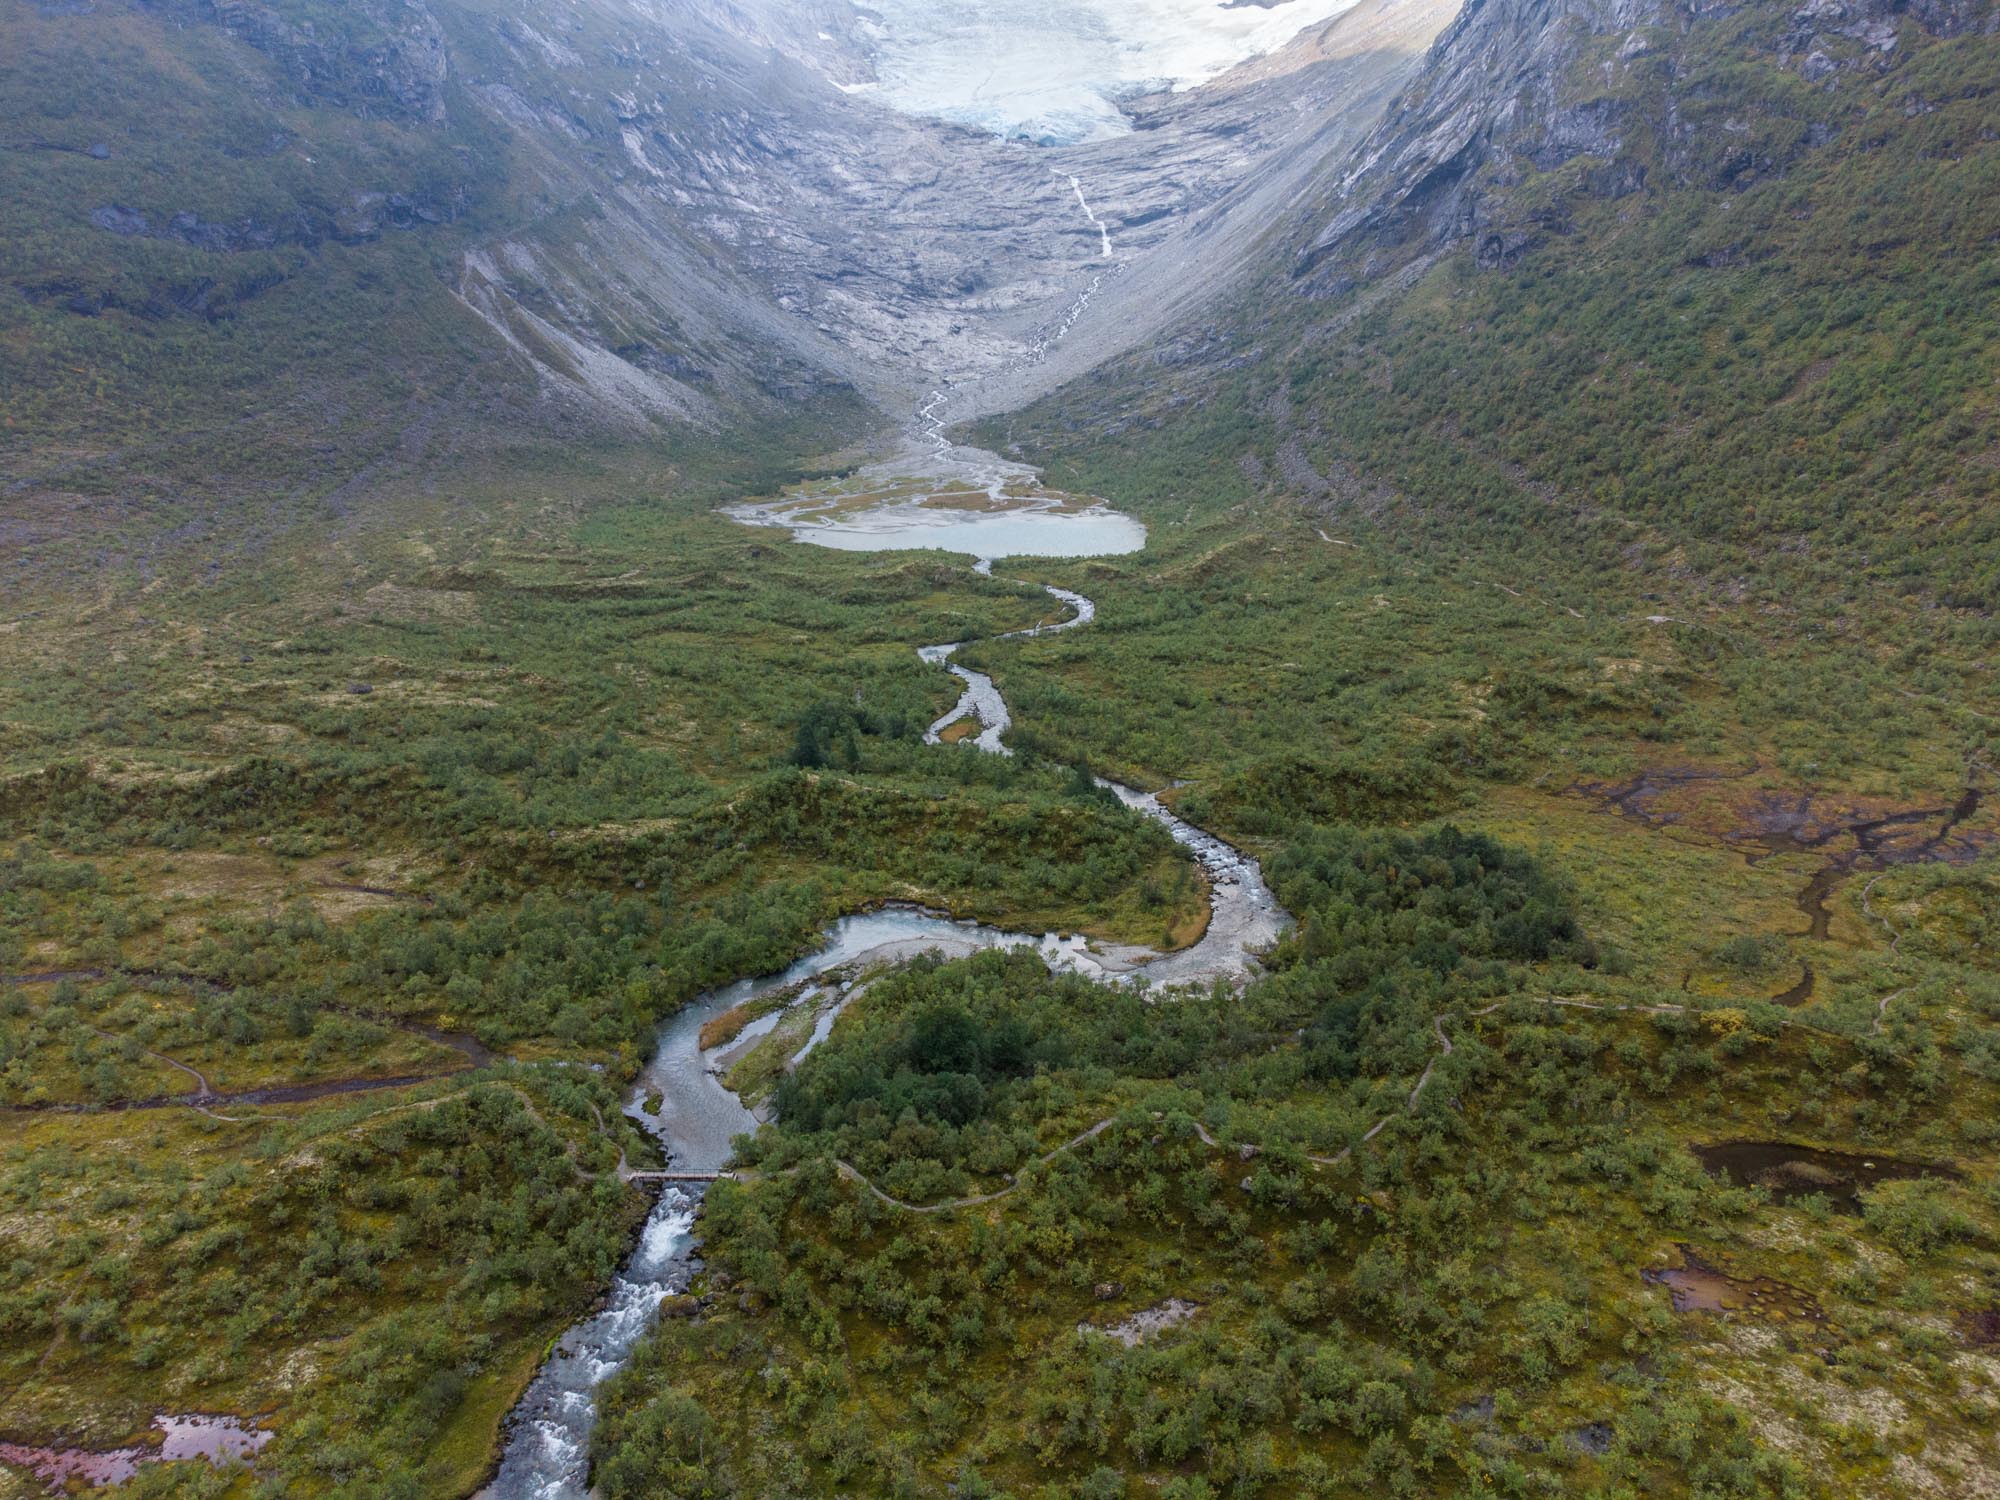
[[697, 1118]]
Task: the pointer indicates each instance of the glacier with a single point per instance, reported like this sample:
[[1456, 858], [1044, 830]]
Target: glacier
[[1055, 71]]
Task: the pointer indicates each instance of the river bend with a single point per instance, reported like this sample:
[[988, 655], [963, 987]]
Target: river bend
[[697, 1119]]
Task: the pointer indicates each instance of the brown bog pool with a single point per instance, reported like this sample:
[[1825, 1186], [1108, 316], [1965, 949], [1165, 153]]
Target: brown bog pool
[[1697, 1286], [1789, 1172], [220, 1440]]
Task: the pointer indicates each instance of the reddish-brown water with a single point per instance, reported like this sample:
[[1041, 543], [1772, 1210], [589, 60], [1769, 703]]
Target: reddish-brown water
[[1981, 1327], [58, 1467], [219, 1440], [1772, 823], [1697, 1286]]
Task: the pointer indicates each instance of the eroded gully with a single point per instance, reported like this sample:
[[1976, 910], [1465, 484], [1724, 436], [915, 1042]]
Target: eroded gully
[[683, 1102]]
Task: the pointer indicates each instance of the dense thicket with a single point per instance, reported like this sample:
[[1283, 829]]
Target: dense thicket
[[1454, 1311]]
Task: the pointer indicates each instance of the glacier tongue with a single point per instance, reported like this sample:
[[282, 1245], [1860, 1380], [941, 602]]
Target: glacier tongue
[[1054, 70]]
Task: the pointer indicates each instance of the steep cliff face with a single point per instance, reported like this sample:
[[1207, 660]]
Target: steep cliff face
[[1525, 108], [1209, 180], [1719, 278], [210, 193], [374, 59]]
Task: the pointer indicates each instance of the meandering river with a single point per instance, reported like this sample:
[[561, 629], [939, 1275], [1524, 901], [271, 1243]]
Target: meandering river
[[696, 1118]]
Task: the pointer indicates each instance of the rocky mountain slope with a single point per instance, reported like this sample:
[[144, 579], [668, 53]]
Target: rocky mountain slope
[[258, 249], [267, 260], [1618, 97], [1715, 285]]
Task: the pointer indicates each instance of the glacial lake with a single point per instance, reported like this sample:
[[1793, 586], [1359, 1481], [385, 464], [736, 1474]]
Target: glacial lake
[[1030, 529]]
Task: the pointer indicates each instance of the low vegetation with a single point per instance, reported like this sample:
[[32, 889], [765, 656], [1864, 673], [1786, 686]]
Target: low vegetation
[[344, 881]]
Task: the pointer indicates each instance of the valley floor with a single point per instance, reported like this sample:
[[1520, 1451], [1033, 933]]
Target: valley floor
[[337, 916]]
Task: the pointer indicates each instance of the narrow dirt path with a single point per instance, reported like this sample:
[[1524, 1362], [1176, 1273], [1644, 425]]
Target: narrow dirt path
[[1574, 614], [1445, 1049], [1868, 907], [204, 1094], [1895, 947], [201, 1085], [570, 1147], [854, 1174]]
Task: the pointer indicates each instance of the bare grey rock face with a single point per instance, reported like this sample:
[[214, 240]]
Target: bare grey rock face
[[665, 214], [744, 199]]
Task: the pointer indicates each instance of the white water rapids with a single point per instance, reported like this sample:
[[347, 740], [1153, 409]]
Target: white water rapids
[[1103, 229]]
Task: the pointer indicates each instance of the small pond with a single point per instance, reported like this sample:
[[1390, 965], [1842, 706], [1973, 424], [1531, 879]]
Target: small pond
[[221, 1440], [1789, 1172], [1695, 1285], [1023, 529]]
